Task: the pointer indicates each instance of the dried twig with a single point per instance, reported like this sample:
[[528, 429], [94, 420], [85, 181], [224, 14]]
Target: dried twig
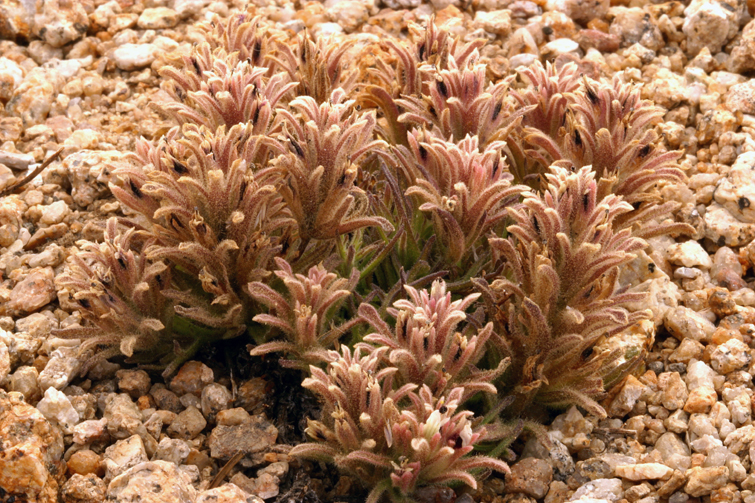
[[31, 175], [223, 473]]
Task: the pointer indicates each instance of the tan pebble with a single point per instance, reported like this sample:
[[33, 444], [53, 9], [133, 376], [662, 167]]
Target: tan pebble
[[84, 462], [700, 400], [644, 471]]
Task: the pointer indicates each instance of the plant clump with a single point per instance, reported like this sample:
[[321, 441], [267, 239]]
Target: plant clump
[[437, 253]]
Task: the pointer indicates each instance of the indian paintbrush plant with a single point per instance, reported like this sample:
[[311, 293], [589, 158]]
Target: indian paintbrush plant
[[426, 246]]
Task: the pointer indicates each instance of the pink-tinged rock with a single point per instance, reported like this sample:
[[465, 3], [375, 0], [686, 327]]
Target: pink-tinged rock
[[30, 451], [33, 292], [596, 39]]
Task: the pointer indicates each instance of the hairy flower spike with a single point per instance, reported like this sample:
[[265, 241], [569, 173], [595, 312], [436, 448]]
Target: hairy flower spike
[[466, 191], [564, 257], [327, 139], [393, 449], [119, 291], [304, 316], [425, 346], [605, 126]]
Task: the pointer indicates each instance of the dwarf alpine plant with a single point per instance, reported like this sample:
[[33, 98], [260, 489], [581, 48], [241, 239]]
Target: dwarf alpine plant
[[418, 240]]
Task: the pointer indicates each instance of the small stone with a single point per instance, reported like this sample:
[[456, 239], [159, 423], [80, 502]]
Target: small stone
[[18, 19], [131, 57], [674, 451], [683, 322], [730, 356], [708, 24], [625, 400], [157, 18], [735, 191], [742, 56], [154, 424], [29, 448], [741, 97], [558, 47], [166, 399], [700, 400], [189, 8], [678, 422], [152, 482], [134, 382], [674, 390], [232, 417], [188, 424], [581, 11], [596, 39], [61, 22], [593, 469], [349, 14], [721, 226], [737, 471], [35, 291], [4, 361], [189, 400], [25, 380], [266, 486], [227, 493], [63, 365], [90, 431], [192, 377], [401, 4], [700, 375], [173, 450], [123, 455], [54, 213], [255, 435], [87, 172], [215, 397], [689, 254], [497, 22], [644, 471], [555, 453], [599, 489], [84, 462], [688, 349], [252, 393], [57, 408], [84, 488], [702, 481], [632, 25], [530, 476]]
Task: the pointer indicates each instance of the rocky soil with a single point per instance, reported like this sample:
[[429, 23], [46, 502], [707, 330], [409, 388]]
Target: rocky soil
[[79, 75]]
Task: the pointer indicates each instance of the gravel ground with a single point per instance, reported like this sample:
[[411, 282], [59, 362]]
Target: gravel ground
[[78, 76]]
